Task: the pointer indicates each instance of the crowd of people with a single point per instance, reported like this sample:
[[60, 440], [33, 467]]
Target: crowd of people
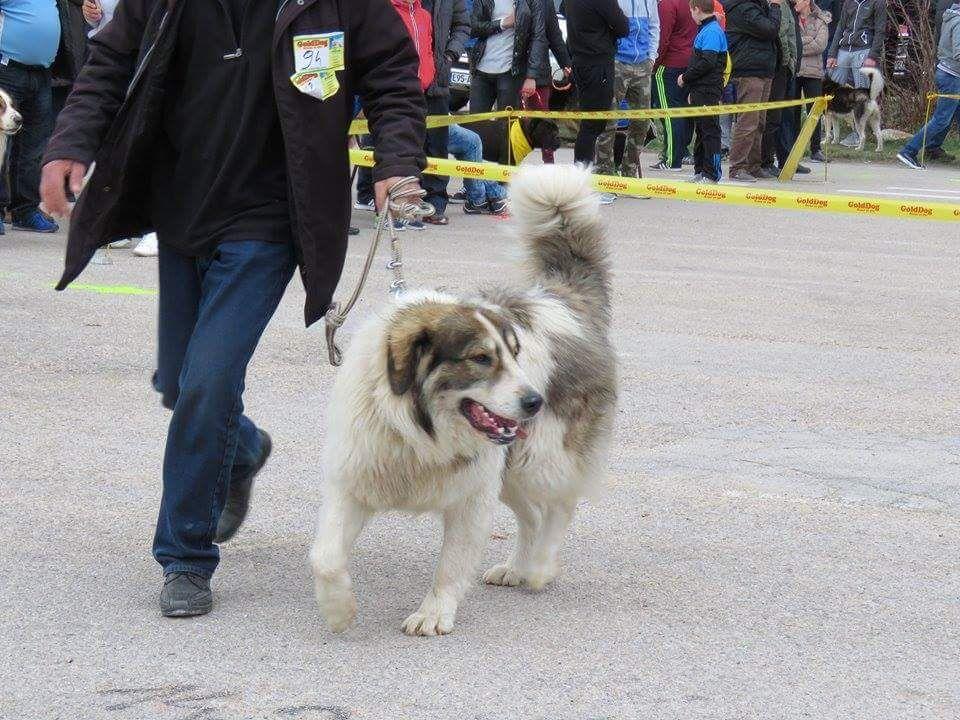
[[616, 54]]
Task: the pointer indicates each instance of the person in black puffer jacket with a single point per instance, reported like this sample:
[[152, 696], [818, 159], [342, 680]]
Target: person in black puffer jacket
[[753, 28], [508, 56]]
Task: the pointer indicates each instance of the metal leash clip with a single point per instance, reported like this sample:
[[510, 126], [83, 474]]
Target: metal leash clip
[[400, 205]]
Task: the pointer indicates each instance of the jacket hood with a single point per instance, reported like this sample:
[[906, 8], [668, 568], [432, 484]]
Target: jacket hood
[[951, 13]]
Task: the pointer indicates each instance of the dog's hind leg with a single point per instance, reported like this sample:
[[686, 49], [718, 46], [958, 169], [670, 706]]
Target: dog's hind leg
[[465, 530], [342, 520], [543, 566], [877, 130]]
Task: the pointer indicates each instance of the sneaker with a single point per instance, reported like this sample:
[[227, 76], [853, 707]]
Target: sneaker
[[353, 230], [120, 244], [663, 166], [470, 209], [608, 198], [459, 198], [802, 169], [413, 224], [724, 153], [436, 219], [185, 595], [499, 207], [368, 205], [909, 160], [238, 496], [704, 180], [766, 172], [147, 247], [688, 160], [818, 157], [695, 178], [851, 140], [742, 176], [36, 222]]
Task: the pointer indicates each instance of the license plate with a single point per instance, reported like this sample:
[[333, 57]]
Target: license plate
[[460, 77]]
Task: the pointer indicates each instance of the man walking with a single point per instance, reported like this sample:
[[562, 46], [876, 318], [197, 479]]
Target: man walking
[[753, 27], [593, 28], [223, 126], [34, 35], [677, 32], [633, 68], [857, 42]]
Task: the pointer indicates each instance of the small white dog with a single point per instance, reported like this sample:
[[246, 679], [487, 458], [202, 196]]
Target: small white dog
[[443, 403]]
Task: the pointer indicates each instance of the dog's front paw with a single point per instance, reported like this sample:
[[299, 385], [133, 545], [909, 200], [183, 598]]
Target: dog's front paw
[[338, 604], [503, 574], [428, 623]]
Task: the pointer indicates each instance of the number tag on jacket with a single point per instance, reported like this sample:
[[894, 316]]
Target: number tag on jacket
[[320, 85], [318, 52]]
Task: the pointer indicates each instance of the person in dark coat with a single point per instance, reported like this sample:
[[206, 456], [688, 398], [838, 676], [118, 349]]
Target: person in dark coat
[[753, 28], [540, 100], [593, 28], [227, 133], [508, 56]]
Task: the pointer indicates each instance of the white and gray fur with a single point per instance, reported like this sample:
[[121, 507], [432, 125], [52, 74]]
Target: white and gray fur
[[398, 438]]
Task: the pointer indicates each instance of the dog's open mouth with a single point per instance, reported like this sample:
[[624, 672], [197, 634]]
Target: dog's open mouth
[[499, 429]]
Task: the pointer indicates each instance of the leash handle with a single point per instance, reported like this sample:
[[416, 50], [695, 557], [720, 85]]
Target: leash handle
[[404, 201]]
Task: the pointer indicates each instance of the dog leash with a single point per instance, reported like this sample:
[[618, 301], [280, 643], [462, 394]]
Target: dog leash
[[400, 204]]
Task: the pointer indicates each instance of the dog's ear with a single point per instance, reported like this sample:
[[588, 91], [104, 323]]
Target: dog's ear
[[405, 347]]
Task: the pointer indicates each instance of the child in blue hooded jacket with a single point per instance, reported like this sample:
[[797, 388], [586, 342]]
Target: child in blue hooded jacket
[[704, 79]]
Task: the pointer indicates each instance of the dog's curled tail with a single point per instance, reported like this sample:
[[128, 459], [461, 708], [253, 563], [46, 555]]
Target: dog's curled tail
[[558, 214], [876, 81]]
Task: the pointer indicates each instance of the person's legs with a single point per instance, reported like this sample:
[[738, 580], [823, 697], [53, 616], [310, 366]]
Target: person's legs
[[809, 88], [728, 97], [682, 130], [940, 120], [605, 143], [748, 129], [540, 100], [230, 296], [29, 89], [595, 83], [637, 93], [483, 91], [944, 113], [365, 176], [464, 144], [771, 127], [436, 146], [508, 91], [787, 135]]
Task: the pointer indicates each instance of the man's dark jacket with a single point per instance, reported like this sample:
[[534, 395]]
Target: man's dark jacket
[[555, 44], [529, 36], [113, 114], [451, 30], [753, 30], [593, 27]]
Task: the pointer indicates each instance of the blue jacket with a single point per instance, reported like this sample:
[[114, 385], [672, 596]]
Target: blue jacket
[[642, 41], [709, 59]]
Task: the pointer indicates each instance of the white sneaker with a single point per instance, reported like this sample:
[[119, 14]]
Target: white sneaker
[[147, 247], [608, 198], [368, 206], [120, 244]]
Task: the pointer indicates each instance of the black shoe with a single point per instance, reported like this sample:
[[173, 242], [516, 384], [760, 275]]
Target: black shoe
[[238, 497], [185, 594], [353, 230], [458, 198], [470, 209], [802, 169], [767, 172], [818, 156]]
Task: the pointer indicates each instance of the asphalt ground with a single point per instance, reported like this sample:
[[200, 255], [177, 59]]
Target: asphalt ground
[[778, 537]]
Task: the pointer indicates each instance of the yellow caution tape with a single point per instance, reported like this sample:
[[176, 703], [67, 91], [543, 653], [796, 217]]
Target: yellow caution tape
[[932, 96], [360, 127], [726, 194]]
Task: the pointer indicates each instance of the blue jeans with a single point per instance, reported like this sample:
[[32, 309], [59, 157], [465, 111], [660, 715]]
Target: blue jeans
[[466, 145], [943, 115], [847, 71], [29, 88], [213, 311]]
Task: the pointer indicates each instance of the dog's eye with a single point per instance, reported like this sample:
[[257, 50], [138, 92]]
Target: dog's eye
[[482, 359]]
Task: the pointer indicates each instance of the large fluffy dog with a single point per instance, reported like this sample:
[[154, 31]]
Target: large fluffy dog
[[445, 402], [857, 104]]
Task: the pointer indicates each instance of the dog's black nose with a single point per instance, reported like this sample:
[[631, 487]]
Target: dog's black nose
[[531, 403]]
